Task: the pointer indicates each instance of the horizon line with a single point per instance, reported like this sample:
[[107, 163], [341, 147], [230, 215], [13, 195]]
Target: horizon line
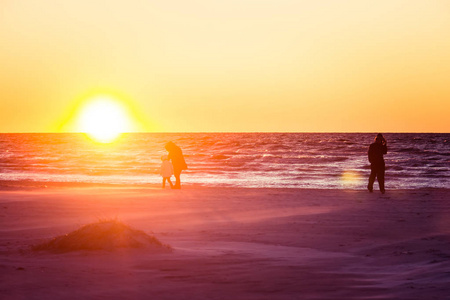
[[179, 132]]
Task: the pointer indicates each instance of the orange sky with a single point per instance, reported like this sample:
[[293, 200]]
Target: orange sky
[[234, 65]]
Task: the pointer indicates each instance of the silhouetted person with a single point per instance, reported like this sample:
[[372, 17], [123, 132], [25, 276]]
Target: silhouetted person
[[377, 166], [178, 162], [166, 171]]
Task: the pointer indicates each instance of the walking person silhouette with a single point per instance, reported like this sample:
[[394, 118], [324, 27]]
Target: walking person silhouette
[[178, 162], [377, 165]]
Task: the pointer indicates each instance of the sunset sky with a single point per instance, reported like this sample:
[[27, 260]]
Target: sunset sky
[[229, 65]]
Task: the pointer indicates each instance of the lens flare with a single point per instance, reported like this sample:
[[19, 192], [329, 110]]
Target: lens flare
[[350, 178]]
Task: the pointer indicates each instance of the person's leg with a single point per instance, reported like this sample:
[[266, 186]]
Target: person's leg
[[164, 182], [373, 175], [380, 177], [177, 174], [170, 182]]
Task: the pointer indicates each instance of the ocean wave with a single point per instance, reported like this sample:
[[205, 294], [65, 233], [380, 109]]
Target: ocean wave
[[233, 159]]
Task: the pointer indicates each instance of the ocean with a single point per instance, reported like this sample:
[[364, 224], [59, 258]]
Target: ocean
[[254, 160]]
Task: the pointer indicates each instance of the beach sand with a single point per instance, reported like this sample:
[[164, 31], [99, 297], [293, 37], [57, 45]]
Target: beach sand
[[231, 243]]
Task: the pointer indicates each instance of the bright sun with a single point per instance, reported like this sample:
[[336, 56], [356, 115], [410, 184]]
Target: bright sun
[[104, 119]]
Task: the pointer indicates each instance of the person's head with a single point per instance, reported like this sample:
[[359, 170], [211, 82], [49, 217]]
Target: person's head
[[164, 157], [169, 146], [379, 138]]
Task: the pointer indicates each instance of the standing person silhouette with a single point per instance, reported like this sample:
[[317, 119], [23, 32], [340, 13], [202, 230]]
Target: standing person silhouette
[[166, 171], [377, 166], [178, 162]]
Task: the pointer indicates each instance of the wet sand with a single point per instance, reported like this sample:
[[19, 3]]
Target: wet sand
[[231, 243]]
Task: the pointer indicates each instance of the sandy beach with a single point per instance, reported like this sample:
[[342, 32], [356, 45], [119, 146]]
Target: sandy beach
[[231, 243]]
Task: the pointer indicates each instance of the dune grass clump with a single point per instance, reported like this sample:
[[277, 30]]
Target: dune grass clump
[[103, 235]]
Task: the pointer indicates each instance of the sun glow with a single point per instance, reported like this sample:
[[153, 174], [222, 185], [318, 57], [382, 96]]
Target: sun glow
[[104, 119], [351, 178]]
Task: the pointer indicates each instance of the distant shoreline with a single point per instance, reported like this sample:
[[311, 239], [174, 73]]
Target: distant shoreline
[[6, 185]]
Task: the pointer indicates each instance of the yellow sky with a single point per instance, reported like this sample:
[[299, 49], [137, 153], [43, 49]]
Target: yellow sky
[[234, 65]]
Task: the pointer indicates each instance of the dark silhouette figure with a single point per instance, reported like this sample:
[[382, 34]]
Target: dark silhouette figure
[[377, 166], [166, 171], [178, 162]]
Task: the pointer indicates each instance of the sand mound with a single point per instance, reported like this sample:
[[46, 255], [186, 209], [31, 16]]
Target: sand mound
[[102, 235]]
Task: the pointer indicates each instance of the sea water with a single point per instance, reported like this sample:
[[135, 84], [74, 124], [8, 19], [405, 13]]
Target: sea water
[[276, 160]]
